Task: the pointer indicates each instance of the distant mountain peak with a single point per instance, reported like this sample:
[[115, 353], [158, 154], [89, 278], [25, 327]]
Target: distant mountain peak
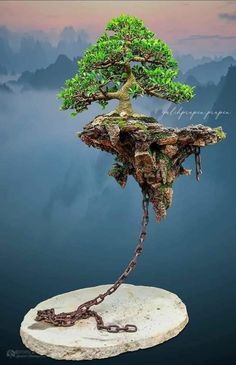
[[51, 77], [211, 71], [62, 59]]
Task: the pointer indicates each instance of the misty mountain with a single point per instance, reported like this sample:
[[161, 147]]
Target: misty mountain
[[211, 71], [225, 103], [4, 88], [221, 162], [51, 77], [187, 79], [187, 61], [204, 105], [31, 51], [226, 97], [6, 54], [72, 43], [14, 38], [192, 81]]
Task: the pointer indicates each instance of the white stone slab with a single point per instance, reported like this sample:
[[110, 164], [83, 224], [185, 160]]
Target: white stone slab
[[158, 314]]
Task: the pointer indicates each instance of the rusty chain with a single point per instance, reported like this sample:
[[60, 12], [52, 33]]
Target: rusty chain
[[83, 311], [198, 162], [187, 151]]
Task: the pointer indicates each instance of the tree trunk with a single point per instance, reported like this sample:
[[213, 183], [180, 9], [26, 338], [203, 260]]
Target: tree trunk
[[124, 98], [124, 106]]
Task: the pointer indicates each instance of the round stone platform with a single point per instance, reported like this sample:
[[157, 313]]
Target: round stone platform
[[158, 314]]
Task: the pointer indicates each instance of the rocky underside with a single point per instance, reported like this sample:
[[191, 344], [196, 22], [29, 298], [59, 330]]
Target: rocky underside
[[152, 153]]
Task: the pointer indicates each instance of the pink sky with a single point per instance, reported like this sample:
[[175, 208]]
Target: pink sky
[[197, 27]]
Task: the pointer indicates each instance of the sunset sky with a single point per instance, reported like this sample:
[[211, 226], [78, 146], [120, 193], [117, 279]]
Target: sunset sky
[[196, 27]]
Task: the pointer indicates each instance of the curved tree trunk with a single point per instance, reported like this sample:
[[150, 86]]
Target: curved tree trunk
[[124, 106], [124, 98]]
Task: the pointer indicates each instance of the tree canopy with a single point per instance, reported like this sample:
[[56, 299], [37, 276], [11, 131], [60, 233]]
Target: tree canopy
[[127, 61]]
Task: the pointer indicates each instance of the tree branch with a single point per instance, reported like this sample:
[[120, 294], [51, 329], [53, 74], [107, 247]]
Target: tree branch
[[81, 97], [159, 62]]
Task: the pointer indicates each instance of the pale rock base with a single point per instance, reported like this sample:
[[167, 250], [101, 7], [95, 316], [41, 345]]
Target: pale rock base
[[158, 314]]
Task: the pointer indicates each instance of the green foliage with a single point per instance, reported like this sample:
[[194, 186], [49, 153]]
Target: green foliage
[[220, 133], [128, 26], [102, 72], [135, 90], [117, 169], [122, 123], [160, 135], [140, 125], [165, 186], [167, 159]]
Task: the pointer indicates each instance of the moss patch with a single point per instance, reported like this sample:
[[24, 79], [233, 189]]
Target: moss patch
[[120, 122], [157, 136], [167, 159], [124, 123], [165, 186], [139, 125], [219, 132]]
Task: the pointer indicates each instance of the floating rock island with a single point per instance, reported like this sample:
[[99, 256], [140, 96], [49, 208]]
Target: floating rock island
[[151, 153]]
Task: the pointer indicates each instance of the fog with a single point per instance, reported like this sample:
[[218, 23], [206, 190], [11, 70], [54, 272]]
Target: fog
[[65, 224]]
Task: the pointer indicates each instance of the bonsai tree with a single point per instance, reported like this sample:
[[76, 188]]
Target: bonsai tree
[[126, 62]]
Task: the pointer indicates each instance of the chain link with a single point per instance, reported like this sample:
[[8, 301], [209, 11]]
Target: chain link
[[83, 311], [197, 154], [196, 150]]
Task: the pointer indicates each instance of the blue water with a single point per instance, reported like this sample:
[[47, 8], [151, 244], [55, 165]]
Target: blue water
[[66, 225]]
